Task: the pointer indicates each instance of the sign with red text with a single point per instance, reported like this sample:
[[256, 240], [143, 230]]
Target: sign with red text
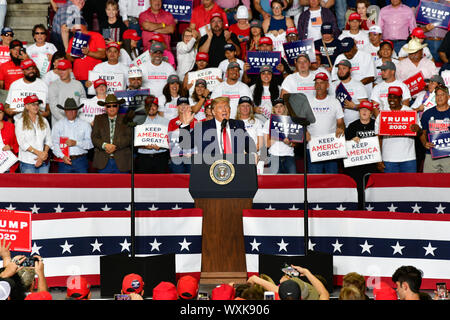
[[90, 109], [114, 81], [327, 147], [365, 151], [18, 95], [397, 123], [441, 141], [210, 75], [141, 60], [15, 227], [7, 160], [416, 83], [151, 134]]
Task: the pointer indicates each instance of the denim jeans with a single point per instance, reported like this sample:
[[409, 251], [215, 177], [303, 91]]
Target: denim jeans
[[340, 6], [398, 44], [111, 167], [330, 166], [79, 165], [283, 164], [405, 166], [434, 45], [30, 168], [180, 165]]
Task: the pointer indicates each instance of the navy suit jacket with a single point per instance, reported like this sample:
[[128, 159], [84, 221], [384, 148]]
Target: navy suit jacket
[[204, 137]]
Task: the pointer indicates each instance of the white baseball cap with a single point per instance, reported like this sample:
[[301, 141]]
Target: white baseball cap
[[5, 290], [242, 12], [134, 72], [375, 29]]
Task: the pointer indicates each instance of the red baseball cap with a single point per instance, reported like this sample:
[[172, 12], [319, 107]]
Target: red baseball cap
[[418, 33], [157, 37], [187, 287], [31, 99], [165, 291], [25, 64], [202, 56], [223, 292], [291, 30], [322, 76], [132, 283], [131, 34], [99, 82], [216, 15], [265, 40], [366, 104], [64, 64], [78, 288], [155, 101], [384, 292], [113, 45], [395, 91], [41, 295], [354, 16]]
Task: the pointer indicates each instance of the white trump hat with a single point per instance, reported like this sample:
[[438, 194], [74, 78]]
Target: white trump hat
[[134, 72]]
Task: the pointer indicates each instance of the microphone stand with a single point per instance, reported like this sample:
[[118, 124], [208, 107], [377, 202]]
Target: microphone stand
[[132, 207]]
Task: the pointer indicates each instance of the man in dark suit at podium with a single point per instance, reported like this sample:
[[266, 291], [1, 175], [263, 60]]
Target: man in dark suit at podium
[[220, 135]]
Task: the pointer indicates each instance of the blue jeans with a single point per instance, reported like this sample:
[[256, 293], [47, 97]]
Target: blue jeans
[[30, 168], [79, 165], [398, 44], [283, 164], [340, 7], [111, 167], [330, 166], [405, 166], [434, 45], [180, 165]]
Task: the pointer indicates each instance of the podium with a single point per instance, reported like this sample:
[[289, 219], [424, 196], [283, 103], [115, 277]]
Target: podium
[[223, 192]]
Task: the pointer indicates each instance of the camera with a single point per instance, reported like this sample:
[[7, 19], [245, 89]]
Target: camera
[[29, 262], [269, 295]]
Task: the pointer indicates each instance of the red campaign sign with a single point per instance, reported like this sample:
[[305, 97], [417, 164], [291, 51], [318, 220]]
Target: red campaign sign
[[15, 227], [416, 83], [397, 123]]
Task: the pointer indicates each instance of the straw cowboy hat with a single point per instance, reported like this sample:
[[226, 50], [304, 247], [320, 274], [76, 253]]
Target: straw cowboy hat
[[414, 46]]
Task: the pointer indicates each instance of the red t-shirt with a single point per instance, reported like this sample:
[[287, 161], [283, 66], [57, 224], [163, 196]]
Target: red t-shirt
[[173, 124], [243, 36], [201, 16], [9, 73], [82, 66]]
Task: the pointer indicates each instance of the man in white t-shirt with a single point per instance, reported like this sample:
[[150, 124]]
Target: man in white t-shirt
[[232, 88], [301, 81], [329, 119], [380, 91], [363, 67], [112, 65], [157, 71], [29, 85], [91, 108], [360, 36], [355, 89], [398, 152]]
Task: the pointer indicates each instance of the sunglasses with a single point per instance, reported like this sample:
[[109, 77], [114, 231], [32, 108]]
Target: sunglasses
[[40, 33], [112, 106], [8, 35]]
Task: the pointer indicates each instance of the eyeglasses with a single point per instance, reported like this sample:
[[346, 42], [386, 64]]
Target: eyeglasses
[[8, 35], [112, 106], [40, 33]]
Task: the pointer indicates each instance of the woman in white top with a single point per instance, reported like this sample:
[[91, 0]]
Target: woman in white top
[[264, 91], [168, 101], [198, 99], [252, 125], [41, 51], [186, 51], [34, 137], [281, 153]]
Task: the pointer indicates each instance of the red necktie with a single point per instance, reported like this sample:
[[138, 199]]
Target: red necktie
[[226, 141]]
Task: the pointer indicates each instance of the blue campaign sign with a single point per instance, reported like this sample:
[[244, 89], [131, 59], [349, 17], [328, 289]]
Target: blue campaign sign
[[256, 59], [441, 141], [282, 127], [293, 49], [133, 98], [342, 94], [79, 41], [180, 9], [433, 12]]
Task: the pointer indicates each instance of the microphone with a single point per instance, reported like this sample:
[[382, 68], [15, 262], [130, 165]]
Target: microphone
[[223, 124]]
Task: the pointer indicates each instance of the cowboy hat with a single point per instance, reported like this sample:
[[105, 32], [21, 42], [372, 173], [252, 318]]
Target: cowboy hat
[[111, 99], [413, 46], [70, 104]]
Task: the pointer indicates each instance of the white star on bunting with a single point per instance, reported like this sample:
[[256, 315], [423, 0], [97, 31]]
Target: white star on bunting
[[317, 207], [66, 247], [341, 208], [311, 245], [34, 209], [35, 249], [255, 245], [440, 209], [10, 207], [392, 208], [397, 248], [82, 208], [125, 245], [177, 207], [270, 207], [153, 208], [337, 246], [106, 208], [184, 245], [366, 247], [429, 249], [416, 208], [369, 208], [58, 209], [155, 245], [96, 246], [283, 245]]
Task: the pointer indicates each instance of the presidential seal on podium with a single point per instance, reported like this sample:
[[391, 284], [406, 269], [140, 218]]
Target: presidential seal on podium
[[222, 171]]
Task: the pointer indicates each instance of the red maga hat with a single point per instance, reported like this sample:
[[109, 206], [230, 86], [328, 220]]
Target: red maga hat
[[25, 64], [265, 40], [132, 283], [131, 34], [418, 33], [395, 91], [202, 56], [366, 104], [99, 82], [322, 76], [354, 16]]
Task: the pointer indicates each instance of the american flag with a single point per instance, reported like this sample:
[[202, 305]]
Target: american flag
[[79, 217], [408, 192], [374, 244]]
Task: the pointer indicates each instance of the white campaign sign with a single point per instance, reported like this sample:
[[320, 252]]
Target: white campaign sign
[[146, 134], [327, 147], [210, 75], [365, 152], [90, 109], [7, 159], [141, 61], [18, 95], [114, 81]]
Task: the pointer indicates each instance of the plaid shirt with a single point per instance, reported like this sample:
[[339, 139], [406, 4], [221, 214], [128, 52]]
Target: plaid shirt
[[65, 15]]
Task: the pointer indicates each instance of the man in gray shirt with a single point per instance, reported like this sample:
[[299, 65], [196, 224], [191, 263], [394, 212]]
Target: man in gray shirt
[[63, 88]]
